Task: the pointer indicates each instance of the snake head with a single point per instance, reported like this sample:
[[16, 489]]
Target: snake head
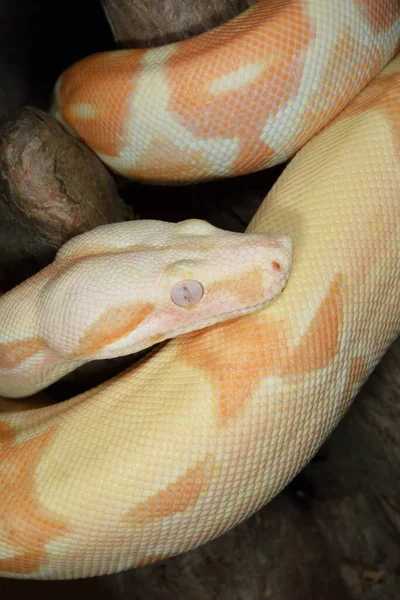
[[124, 287]]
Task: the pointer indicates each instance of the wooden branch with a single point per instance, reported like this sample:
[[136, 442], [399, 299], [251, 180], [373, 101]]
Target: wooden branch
[[144, 23], [52, 187]]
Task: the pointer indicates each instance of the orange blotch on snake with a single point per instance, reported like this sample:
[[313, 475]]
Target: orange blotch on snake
[[95, 96], [12, 354], [113, 325], [25, 523], [177, 497], [274, 77], [237, 355], [248, 288], [320, 343]]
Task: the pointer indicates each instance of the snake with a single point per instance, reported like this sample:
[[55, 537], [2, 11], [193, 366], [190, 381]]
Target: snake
[[261, 340]]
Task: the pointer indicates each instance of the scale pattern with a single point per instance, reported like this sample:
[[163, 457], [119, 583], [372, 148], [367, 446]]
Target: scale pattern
[[242, 97]]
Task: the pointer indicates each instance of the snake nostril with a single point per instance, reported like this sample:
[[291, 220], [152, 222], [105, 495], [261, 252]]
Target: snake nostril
[[276, 265]]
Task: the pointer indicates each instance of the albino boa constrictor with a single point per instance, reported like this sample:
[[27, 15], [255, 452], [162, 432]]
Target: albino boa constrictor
[[192, 440]]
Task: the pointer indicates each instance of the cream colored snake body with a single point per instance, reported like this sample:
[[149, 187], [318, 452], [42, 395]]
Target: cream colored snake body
[[198, 436]]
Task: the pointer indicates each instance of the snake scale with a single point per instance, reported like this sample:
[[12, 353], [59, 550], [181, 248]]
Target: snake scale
[[214, 423]]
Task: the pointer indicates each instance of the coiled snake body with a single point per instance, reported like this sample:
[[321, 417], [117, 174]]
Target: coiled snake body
[[192, 440]]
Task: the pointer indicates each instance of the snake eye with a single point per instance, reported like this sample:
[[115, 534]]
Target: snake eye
[[187, 293]]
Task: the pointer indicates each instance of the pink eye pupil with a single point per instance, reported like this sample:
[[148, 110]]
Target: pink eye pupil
[[187, 293]]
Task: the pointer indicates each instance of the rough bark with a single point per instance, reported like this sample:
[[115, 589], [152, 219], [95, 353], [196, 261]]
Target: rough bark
[[142, 23], [52, 187]]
